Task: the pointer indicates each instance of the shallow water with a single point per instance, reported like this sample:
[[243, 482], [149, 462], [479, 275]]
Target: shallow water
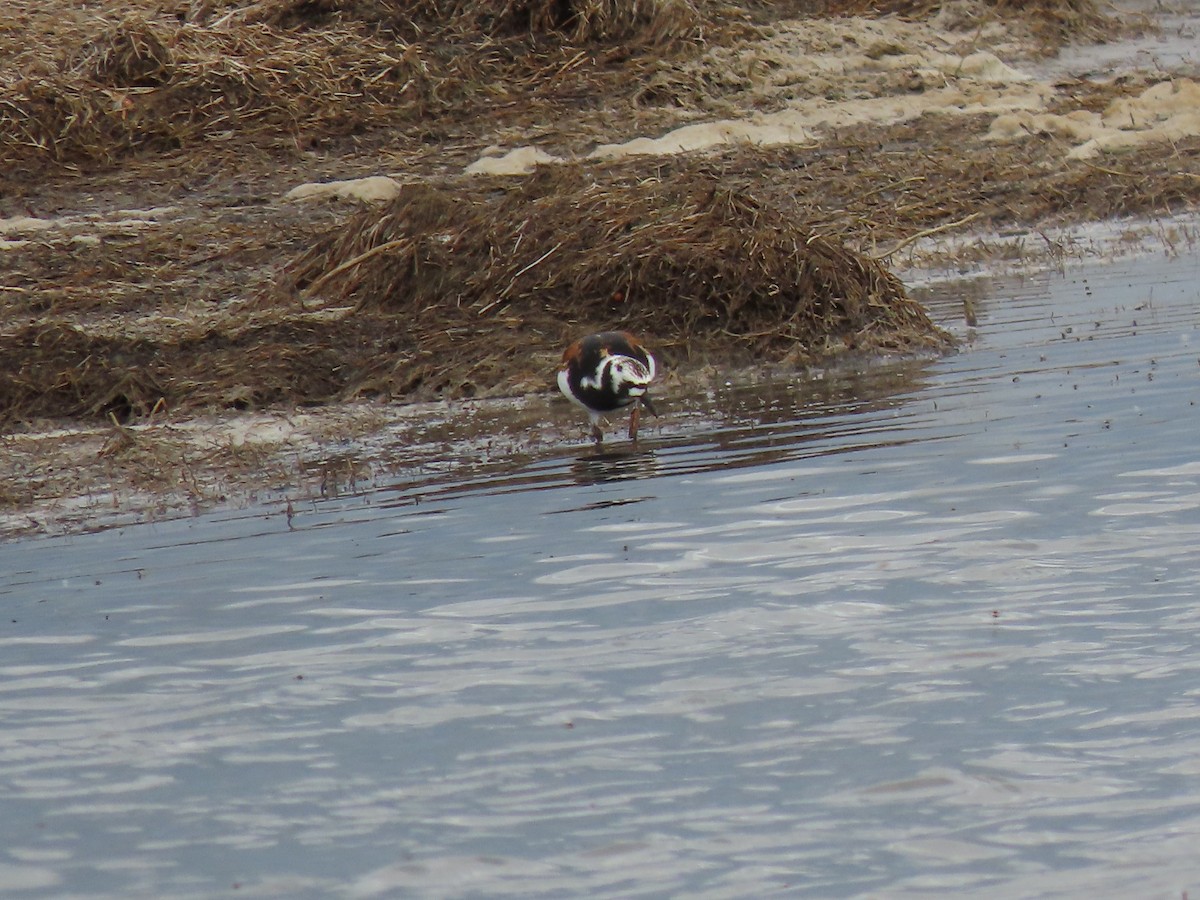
[[925, 629]]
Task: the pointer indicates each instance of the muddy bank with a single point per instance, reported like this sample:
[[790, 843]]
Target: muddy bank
[[170, 258]]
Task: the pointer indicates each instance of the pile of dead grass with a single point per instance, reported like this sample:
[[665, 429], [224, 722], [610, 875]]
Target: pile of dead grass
[[691, 259], [95, 86], [152, 84]]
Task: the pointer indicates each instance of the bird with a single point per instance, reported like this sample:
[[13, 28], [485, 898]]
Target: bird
[[605, 372]]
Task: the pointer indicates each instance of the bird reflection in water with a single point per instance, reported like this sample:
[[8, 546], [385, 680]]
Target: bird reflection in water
[[600, 467]]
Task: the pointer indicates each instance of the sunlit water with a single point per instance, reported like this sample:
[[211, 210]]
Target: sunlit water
[[928, 629]]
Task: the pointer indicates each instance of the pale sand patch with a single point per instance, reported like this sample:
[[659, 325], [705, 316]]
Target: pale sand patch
[[121, 220], [519, 160], [827, 74], [805, 122], [26, 225], [372, 189], [1167, 111], [801, 124]]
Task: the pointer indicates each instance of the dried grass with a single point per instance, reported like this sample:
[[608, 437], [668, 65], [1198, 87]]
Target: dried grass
[[692, 258], [98, 85], [56, 368], [143, 84], [274, 71], [583, 21]]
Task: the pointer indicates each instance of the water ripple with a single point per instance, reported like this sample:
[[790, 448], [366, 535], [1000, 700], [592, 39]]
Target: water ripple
[[924, 628]]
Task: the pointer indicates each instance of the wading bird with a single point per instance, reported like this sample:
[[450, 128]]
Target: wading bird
[[605, 372]]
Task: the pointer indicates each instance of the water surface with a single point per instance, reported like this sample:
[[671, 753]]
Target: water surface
[[929, 628]]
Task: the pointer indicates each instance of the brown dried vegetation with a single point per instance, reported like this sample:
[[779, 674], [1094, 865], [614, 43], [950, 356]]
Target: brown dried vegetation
[[462, 286], [92, 87], [691, 256]]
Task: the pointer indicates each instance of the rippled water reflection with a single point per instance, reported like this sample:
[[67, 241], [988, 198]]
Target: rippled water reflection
[[926, 629]]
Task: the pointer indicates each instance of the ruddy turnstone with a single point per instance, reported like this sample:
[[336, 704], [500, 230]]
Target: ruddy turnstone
[[605, 372]]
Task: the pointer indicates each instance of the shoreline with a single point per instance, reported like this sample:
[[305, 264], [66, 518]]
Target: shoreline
[[104, 476]]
